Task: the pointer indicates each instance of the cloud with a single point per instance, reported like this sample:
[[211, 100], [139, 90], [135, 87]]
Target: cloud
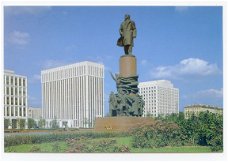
[[53, 63], [19, 38], [31, 10], [181, 8], [210, 93], [144, 62], [207, 96], [190, 66]]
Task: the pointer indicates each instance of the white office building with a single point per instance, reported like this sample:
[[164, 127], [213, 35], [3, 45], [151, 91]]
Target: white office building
[[73, 94], [160, 96], [15, 99], [34, 113]]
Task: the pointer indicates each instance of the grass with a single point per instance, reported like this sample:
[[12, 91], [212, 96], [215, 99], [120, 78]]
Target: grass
[[182, 149], [58, 147], [61, 147]]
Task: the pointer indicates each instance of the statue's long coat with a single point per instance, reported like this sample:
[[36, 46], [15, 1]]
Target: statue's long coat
[[128, 32]]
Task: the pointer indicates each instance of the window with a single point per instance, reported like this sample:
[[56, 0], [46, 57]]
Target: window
[[12, 91], [7, 111], [7, 80], [20, 111], [16, 101], [16, 81], [7, 90], [12, 113], [16, 91], [20, 101], [11, 82], [12, 101], [24, 112], [24, 91], [23, 82], [23, 101], [7, 100], [16, 111], [20, 91], [20, 82]]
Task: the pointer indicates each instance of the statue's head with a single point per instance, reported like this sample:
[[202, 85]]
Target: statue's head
[[127, 16]]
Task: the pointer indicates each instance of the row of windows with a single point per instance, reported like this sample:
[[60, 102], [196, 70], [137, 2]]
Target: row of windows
[[21, 101], [14, 91], [148, 88], [151, 111], [15, 111], [149, 91], [144, 97], [71, 72], [11, 80]]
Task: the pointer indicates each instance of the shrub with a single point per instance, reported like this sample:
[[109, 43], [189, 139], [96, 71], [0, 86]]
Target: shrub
[[159, 134], [204, 129], [122, 149], [32, 139], [216, 143], [84, 145]]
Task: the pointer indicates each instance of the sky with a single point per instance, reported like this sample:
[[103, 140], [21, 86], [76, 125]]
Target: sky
[[181, 44]]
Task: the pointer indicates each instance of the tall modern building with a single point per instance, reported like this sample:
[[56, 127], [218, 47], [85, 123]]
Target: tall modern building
[[15, 99], [161, 98], [73, 94]]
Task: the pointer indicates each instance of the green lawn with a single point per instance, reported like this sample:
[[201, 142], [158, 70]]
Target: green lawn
[[59, 147], [62, 146], [182, 149]]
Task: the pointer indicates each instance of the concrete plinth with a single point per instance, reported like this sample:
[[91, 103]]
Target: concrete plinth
[[127, 65]]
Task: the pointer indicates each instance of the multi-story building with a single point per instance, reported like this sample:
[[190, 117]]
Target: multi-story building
[[34, 113], [73, 94], [160, 96], [197, 108], [15, 99]]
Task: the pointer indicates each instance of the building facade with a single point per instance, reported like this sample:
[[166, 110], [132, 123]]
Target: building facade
[[197, 108], [15, 99], [34, 113], [73, 94], [160, 96]]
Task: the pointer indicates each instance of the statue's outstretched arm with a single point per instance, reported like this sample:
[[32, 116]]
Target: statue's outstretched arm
[[114, 78]]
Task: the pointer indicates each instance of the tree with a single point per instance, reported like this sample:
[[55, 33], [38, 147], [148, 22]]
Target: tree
[[21, 123], [54, 123], [14, 123], [41, 123], [31, 123], [6, 123], [65, 125]]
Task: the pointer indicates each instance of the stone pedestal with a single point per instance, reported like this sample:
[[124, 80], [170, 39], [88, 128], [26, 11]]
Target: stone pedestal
[[127, 101], [127, 66]]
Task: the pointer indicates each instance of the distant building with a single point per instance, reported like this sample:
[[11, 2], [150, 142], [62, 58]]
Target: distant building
[[196, 109], [34, 113], [15, 98], [160, 96], [73, 94]]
